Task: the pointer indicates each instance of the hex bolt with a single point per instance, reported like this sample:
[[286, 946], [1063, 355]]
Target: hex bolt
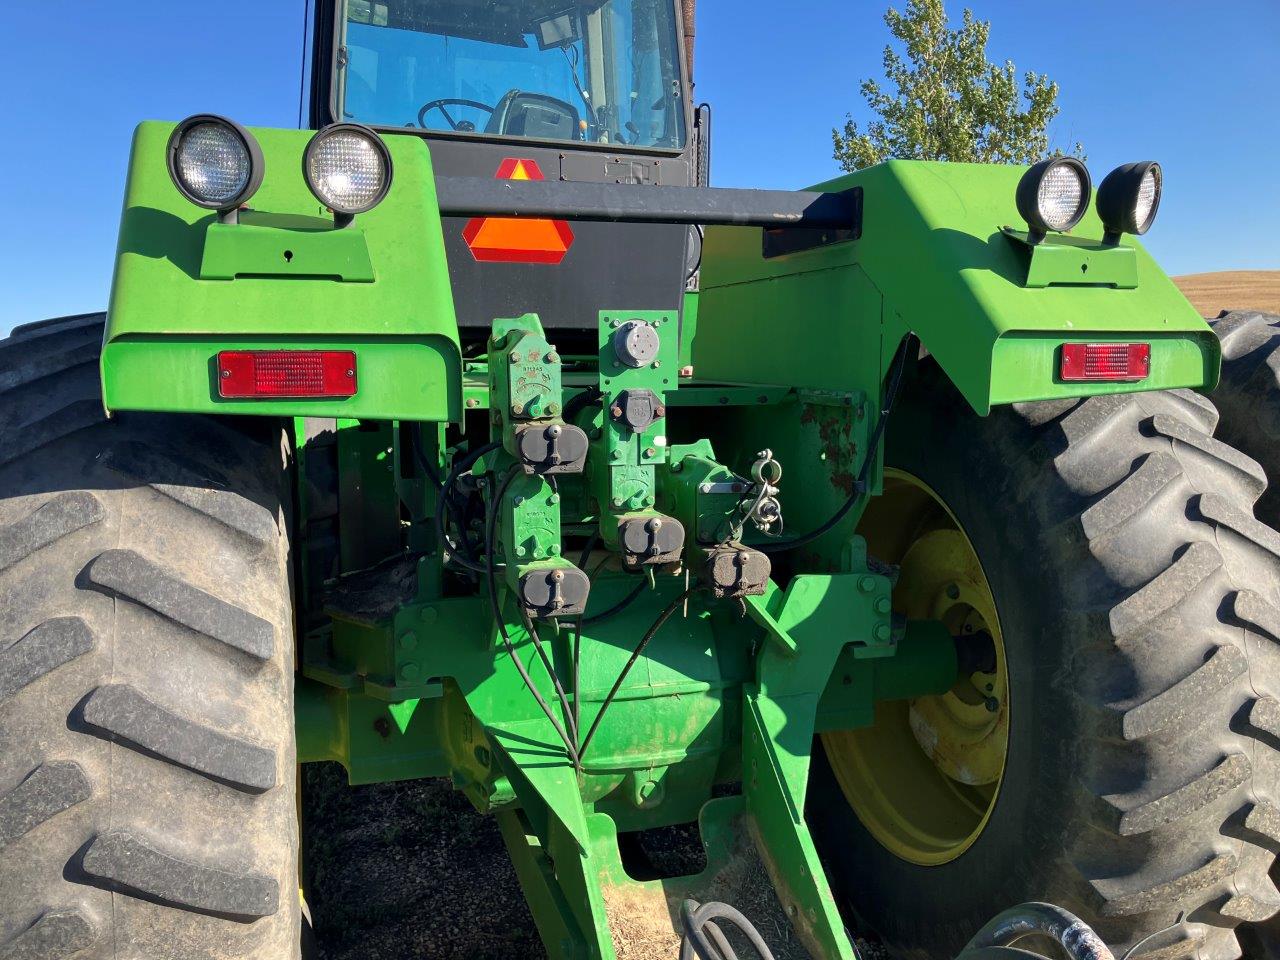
[[883, 605], [953, 591], [553, 357], [517, 501], [867, 584], [616, 411], [553, 551], [472, 402], [520, 551], [650, 452], [882, 632], [616, 455], [619, 501], [409, 641], [992, 704], [553, 408], [515, 357], [657, 364], [705, 488], [409, 671], [659, 411], [554, 498], [517, 408]]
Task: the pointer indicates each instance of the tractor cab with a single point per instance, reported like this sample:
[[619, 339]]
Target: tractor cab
[[591, 92]]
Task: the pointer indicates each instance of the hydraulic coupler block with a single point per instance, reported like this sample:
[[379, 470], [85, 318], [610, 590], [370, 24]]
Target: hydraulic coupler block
[[638, 354], [650, 540], [553, 590], [525, 392], [551, 447], [734, 571]]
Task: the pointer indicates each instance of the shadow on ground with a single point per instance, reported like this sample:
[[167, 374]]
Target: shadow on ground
[[408, 871]]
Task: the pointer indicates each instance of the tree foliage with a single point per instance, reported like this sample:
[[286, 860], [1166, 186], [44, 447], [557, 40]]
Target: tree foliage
[[948, 102]]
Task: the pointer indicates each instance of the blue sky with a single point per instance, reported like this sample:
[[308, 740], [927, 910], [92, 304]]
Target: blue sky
[[1192, 84]]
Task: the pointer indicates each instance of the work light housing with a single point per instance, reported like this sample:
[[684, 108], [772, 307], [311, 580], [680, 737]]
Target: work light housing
[[1129, 199], [348, 169], [1053, 195], [215, 163]]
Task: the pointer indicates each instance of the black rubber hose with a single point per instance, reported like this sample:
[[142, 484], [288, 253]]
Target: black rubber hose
[[704, 939], [618, 607], [663, 617], [420, 457], [459, 553], [860, 484], [1076, 937]]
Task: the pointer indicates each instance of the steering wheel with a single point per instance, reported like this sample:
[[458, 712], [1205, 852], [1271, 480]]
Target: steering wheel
[[464, 125]]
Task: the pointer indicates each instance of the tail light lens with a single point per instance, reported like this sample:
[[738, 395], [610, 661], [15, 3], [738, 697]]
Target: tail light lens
[[286, 373], [1105, 361]]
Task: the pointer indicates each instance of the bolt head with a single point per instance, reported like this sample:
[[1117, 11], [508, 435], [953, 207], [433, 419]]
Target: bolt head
[[686, 372], [517, 408], [650, 452], [472, 402], [553, 357], [515, 357]]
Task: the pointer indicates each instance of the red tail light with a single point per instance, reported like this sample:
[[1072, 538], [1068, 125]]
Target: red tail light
[[286, 373], [1106, 361]]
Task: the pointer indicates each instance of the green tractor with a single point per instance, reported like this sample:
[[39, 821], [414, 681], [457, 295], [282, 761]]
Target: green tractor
[[873, 534]]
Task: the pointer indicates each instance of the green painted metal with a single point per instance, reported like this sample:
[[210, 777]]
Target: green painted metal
[[933, 258], [379, 287], [404, 671], [252, 248]]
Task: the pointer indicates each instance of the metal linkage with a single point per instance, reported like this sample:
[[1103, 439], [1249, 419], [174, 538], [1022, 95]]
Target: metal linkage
[[996, 939], [705, 940]]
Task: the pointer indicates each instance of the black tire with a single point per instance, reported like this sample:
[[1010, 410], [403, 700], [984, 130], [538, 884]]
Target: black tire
[[147, 800], [1248, 396], [1140, 605]]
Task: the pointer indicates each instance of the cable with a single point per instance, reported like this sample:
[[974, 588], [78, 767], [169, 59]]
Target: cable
[[703, 938], [618, 607], [490, 546], [532, 630], [860, 484], [459, 554], [663, 617], [580, 401], [420, 457], [585, 557]]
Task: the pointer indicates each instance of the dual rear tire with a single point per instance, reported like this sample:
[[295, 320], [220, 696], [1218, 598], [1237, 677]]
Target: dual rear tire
[[147, 799]]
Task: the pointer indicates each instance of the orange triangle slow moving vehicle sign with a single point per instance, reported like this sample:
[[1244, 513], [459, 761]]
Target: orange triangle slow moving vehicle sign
[[518, 240]]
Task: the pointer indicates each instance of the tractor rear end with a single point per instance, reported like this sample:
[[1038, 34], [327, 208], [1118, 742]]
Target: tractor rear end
[[844, 524]]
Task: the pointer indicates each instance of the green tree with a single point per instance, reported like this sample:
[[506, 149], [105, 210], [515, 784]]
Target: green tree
[[949, 101]]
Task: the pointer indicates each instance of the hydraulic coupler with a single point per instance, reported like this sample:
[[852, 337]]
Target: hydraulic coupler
[[525, 391]]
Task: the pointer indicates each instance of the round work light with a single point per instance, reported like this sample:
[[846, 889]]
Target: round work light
[[215, 163], [1129, 198], [1053, 195], [348, 168]]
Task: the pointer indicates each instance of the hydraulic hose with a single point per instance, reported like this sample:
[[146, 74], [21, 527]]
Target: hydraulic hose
[[706, 941], [1076, 937], [873, 444]]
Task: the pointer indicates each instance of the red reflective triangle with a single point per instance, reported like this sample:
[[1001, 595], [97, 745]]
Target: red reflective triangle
[[517, 240]]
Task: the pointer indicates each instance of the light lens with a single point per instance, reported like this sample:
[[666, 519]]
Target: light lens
[[286, 373], [1148, 193], [1060, 196], [347, 168], [213, 163], [1105, 362]]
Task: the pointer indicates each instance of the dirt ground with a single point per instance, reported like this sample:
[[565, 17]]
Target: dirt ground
[[1212, 293], [408, 871]]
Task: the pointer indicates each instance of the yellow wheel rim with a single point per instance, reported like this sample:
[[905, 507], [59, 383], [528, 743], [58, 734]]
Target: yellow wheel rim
[[924, 777]]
